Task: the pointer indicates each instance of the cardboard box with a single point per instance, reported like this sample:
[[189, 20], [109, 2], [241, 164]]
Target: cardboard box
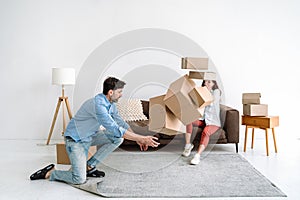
[[180, 103], [261, 122], [194, 63], [251, 98], [203, 75], [62, 155], [201, 96], [255, 109], [162, 120]]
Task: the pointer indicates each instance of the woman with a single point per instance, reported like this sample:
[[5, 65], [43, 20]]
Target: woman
[[210, 122]]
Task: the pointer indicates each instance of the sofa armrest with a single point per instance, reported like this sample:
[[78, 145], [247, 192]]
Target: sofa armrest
[[231, 123]]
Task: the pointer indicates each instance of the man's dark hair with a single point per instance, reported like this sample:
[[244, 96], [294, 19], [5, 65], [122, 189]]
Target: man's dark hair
[[112, 83]]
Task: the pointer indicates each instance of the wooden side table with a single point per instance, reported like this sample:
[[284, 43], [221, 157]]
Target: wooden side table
[[269, 122]]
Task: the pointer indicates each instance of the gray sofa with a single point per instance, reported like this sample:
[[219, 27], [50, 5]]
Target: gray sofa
[[228, 134]]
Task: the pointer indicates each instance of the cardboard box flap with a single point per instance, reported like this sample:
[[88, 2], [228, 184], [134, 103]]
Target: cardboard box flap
[[178, 92], [194, 63], [201, 96], [184, 83], [156, 112], [180, 103], [161, 119], [203, 75]]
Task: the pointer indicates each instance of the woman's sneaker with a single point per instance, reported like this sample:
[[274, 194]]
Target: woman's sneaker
[[187, 151], [196, 159]]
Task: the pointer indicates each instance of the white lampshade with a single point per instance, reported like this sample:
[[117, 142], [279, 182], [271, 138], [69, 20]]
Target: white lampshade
[[63, 76]]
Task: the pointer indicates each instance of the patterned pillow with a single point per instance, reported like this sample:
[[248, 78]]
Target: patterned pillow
[[131, 109]]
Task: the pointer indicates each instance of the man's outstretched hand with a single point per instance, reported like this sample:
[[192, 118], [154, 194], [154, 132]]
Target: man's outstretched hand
[[147, 141], [143, 147]]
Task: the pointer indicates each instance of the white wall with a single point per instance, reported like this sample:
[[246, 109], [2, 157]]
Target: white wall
[[254, 45]]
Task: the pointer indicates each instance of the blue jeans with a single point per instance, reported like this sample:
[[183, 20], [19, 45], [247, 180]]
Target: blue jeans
[[78, 152]]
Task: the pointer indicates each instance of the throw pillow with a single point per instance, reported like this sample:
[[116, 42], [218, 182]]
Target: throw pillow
[[131, 109]]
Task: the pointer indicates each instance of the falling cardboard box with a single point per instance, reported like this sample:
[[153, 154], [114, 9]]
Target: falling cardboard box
[[201, 96], [62, 155], [255, 109], [162, 120], [203, 75], [180, 103], [194, 63], [251, 98]]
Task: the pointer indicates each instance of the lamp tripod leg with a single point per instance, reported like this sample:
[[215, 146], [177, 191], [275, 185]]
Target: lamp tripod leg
[[64, 118], [54, 120], [68, 107], [66, 102]]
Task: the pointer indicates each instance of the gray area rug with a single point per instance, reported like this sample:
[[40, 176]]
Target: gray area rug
[[217, 175]]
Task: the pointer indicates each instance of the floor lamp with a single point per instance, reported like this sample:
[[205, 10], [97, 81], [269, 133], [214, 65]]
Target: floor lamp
[[62, 77]]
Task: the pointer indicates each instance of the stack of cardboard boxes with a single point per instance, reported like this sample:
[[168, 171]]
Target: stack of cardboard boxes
[[184, 102], [252, 106]]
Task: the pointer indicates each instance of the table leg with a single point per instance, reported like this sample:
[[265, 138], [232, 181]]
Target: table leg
[[252, 142], [267, 144], [273, 132], [245, 142]]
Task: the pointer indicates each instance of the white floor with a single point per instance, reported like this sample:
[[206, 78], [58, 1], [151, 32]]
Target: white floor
[[19, 158]]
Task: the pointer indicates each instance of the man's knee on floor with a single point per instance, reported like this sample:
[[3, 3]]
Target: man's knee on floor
[[77, 180]]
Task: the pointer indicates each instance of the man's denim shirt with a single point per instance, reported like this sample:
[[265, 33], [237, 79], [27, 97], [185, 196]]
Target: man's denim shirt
[[93, 113]]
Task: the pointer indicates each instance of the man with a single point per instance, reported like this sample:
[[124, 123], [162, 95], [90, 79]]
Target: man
[[83, 131]]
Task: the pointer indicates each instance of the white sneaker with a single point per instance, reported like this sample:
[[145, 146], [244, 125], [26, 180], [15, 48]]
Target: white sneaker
[[196, 159], [187, 151]]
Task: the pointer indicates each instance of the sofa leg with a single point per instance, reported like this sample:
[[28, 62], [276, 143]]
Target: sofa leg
[[237, 147]]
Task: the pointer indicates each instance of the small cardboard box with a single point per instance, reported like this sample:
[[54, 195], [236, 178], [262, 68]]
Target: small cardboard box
[[251, 98], [255, 109], [180, 103], [201, 96], [194, 63], [203, 75], [62, 155], [261, 122], [162, 120]]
